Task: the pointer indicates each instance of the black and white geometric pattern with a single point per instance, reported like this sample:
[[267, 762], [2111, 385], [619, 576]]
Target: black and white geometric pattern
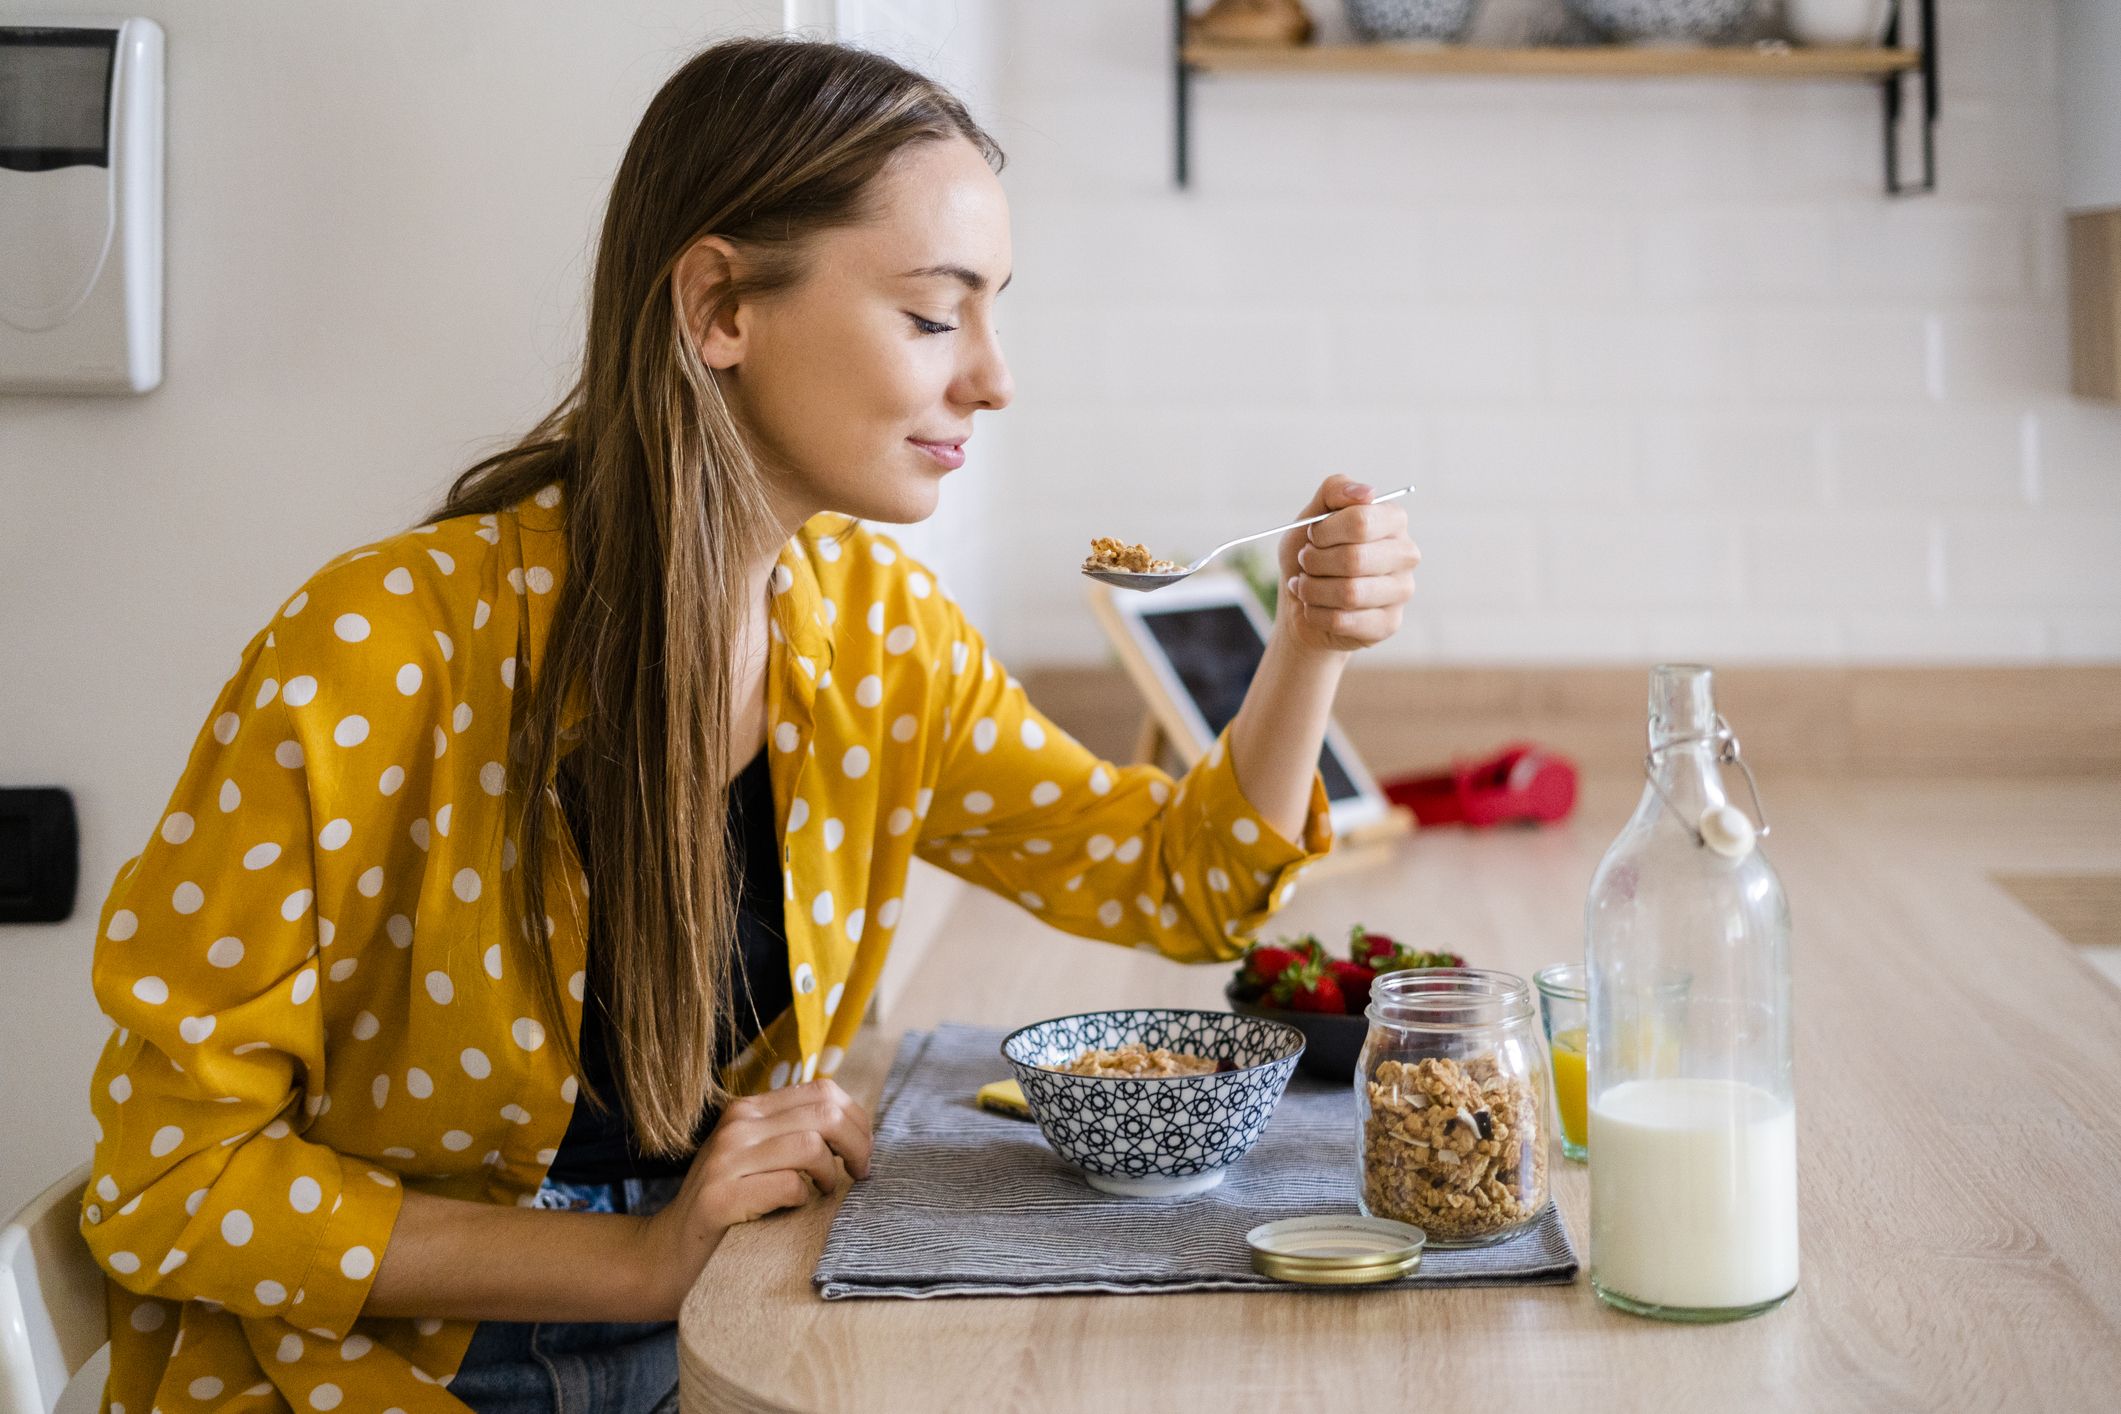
[[1662, 19], [1410, 19], [1156, 1135]]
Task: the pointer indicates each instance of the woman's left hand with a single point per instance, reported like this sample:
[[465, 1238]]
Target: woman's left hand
[[1345, 581]]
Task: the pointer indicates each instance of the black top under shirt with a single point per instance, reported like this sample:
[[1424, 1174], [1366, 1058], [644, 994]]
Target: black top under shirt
[[600, 1148]]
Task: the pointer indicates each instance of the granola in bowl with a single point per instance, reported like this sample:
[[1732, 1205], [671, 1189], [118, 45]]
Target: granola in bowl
[[1133, 1060]]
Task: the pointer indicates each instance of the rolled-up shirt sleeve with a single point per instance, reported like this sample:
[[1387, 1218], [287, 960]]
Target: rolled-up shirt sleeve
[[1121, 853], [207, 958]]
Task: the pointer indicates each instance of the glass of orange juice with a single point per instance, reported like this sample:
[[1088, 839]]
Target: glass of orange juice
[[1563, 1009]]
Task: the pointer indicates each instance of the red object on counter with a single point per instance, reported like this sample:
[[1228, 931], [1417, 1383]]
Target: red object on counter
[[1522, 784]]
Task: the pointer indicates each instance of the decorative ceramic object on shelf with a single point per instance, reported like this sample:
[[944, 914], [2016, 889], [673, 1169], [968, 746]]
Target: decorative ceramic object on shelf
[[1411, 19], [1860, 22], [1251, 22], [1665, 20]]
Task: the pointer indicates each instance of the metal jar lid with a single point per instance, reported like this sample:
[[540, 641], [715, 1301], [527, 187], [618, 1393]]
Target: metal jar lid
[[1337, 1249]]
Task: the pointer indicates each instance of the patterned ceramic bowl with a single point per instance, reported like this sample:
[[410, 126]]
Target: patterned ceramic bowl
[[1687, 20], [1154, 1136], [1410, 19]]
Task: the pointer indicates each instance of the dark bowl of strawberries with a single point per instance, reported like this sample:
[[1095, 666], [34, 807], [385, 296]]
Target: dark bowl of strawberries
[[1297, 981]]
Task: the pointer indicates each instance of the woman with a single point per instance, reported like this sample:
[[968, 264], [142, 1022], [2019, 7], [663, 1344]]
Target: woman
[[403, 1112]]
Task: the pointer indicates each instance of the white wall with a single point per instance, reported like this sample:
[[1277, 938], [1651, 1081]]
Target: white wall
[[1674, 378], [380, 219]]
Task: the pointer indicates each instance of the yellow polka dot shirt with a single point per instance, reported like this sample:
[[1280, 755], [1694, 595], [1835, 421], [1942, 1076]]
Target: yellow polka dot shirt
[[315, 999]]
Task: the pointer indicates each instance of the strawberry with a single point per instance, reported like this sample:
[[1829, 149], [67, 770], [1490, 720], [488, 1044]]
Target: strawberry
[[1369, 948], [1266, 962], [1354, 980], [1309, 987]]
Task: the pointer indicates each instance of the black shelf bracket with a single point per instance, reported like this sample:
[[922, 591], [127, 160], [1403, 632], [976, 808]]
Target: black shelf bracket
[[1181, 94], [1895, 103]]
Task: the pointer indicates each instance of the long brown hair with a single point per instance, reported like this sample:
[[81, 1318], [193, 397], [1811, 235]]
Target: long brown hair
[[765, 143]]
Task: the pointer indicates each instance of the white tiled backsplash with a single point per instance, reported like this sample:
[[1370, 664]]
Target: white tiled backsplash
[[1671, 373]]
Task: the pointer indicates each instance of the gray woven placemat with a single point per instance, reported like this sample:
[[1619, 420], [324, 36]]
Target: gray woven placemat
[[961, 1202]]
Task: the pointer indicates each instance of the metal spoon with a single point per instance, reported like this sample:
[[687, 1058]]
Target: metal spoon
[[1129, 579]]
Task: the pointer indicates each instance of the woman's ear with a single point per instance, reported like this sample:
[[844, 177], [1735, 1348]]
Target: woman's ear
[[698, 284]]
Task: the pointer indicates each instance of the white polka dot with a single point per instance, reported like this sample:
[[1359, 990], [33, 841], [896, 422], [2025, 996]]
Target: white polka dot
[[121, 1090], [899, 640], [371, 882], [959, 651], [979, 802], [351, 731], [491, 961], [568, 1088], [420, 831], [919, 585], [783, 579], [236, 1227], [903, 727], [475, 1063], [1218, 880], [398, 581], [1045, 793], [515, 1114], [528, 1032], [461, 718], [365, 1026], [882, 553], [400, 929], [152, 990], [984, 735], [539, 579], [856, 762], [305, 986], [467, 885], [1038, 846], [574, 986], [1109, 913], [779, 1077], [177, 828], [441, 988], [301, 691], [1246, 831], [225, 952], [289, 754], [1030, 900], [869, 691], [123, 924], [449, 649], [351, 627], [328, 1395], [887, 916], [260, 855], [225, 727], [204, 1388], [805, 979], [901, 821], [391, 779], [548, 496], [798, 814], [855, 921], [1100, 782], [1099, 847], [270, 1293], [295, 904], [125, 1262], [442, 819], [290, 1349], [1130, 851], [875, 617], [379, 1091], [194, 1029], [821, 908], [304, 1194], [344, 968], [784, 736], [508, 673], [493, 778], [834, 833], [187, 898], [1032, 734], [832, 998], [456, 1141], [294, 605]]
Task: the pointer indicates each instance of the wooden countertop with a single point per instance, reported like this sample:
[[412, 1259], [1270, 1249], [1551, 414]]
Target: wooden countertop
[[1959, 1112]]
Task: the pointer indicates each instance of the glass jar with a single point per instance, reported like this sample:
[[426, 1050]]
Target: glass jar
[[1451, 1088], [1693, 1133]]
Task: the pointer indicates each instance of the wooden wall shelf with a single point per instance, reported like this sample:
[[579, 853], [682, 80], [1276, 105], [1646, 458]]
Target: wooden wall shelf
[[1565, 61], [1886, 66]]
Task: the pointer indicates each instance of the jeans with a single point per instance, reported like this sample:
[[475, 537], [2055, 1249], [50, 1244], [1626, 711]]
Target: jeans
[[577, 1367]]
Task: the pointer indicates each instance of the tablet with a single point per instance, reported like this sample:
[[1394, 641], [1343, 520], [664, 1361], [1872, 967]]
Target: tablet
[[1193, 648]]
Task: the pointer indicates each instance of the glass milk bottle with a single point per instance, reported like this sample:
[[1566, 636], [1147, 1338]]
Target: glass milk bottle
[[1693, 1123]]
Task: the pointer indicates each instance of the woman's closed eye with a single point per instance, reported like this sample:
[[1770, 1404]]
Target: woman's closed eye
[[929, 326]]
